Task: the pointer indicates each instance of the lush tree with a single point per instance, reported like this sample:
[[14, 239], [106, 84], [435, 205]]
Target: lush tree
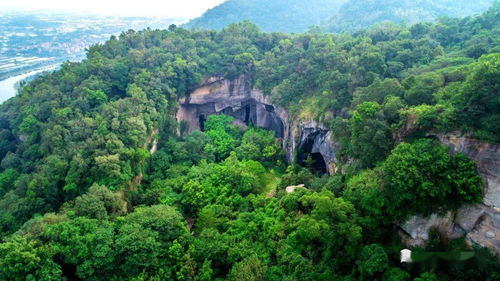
[[22, 259], [422, 176], [372, 261], [371, 138]]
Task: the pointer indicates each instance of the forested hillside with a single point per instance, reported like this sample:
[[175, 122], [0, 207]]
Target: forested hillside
[[97, 184], [359, 14], [270, 16], [333, 15]]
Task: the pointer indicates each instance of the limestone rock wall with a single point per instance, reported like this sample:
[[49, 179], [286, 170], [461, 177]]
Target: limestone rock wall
[[480, 222], [487, 157], [232, 97], [237, 98], [317, 138]]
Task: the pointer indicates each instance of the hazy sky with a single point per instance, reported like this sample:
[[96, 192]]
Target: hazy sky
[[166, 8]]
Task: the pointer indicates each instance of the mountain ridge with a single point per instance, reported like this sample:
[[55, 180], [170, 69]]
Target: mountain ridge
[[332, 15], [280, 15]]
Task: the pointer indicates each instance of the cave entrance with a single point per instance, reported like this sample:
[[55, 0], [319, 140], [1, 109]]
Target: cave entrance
[[317, 165], [202, 120], [247, 114], [312, 160]]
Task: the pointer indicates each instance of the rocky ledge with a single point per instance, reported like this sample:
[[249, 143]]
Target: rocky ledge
[[248, 105], [480, 223]]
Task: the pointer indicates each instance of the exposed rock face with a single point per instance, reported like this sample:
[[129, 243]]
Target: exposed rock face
[[418, 228], [311, 138], [231, 97], [487, 158], [237, 98], [480, 222]]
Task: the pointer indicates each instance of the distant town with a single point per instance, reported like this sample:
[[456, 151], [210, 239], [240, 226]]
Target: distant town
[[31, 41]]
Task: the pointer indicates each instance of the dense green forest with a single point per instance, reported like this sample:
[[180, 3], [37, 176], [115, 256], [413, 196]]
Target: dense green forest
[[270, 16], [83, 196], [333, 15], [357, 14]]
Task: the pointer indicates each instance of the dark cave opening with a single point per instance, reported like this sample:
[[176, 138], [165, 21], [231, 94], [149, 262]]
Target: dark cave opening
[[312, 160], [315, 163], [269, 108], [202, 120], [318, 164], [247, 114]]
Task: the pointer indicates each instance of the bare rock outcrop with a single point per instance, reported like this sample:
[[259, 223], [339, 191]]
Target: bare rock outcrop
[[248, 105], [312, 138], [217, 95], [480, 223], [487, 158]]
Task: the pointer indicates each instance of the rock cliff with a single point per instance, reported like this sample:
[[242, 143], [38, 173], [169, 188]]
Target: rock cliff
[[237, 98], [480, 223], [217, 95]]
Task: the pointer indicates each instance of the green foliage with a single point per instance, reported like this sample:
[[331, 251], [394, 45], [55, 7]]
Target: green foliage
[[427, 276], [221, 135], [260, 145], [479, 103], [218, 123], [223, 183], [355, 14], [371, 137], [96, 98], [7, 180], [372, 261], [99, 203], [423, 176], [366, 192], [378, 90], [21, 259], [96, 185], [250, 269], [282, 16], [396, 274], [84, 243], [419, 89]]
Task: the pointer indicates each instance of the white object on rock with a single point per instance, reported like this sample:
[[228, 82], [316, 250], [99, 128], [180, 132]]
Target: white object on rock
[[291, 189]]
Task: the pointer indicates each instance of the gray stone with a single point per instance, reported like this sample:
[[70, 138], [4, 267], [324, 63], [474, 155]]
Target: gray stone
[[487, 231], [292, 188], [487, 158], [468, 216], [418, 227], [217, 95], [231, 97]]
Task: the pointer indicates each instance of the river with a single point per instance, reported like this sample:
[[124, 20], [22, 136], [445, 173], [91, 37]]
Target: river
[[7, 86]]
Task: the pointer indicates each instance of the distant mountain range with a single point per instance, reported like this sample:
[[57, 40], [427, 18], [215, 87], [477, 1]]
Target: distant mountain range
[[269, 15], [359, 14], [332, 15]]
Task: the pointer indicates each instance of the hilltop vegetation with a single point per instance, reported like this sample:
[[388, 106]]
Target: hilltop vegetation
[[333, 15], [359, 14], [270, 16], [83, 196]]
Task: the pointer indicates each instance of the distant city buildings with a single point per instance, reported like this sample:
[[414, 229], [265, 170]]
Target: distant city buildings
[[31, 41]]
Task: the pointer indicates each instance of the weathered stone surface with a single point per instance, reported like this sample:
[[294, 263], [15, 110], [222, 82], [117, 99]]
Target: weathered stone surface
[[487, 232], [311, 137], [487, 158], [217, 95], [292, 188], [418, 227], [479, 223], [232, 97], [468, 216]]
